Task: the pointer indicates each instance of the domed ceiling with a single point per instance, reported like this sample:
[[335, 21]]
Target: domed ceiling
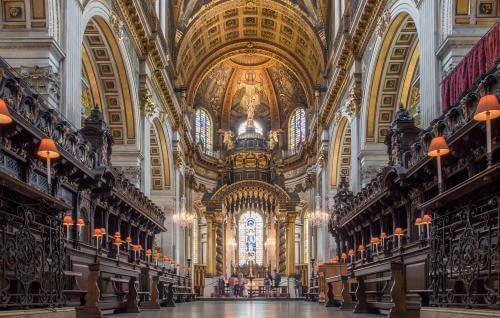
[[269, 52], [225, 89]]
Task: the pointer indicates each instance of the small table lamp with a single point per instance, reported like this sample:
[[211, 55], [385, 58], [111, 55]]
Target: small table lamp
[[5, 117], [48, 150], [488, 109], [438, 148]]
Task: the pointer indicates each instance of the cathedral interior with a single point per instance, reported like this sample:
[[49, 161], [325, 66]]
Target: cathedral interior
[[188, 158]]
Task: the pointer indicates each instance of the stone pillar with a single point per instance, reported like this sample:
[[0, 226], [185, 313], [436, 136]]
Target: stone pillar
[[72, 66], [429, 75], [371, 159], [290, 243]]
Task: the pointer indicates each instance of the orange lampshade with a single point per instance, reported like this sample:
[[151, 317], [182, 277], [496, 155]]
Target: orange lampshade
[[118, 240], [488, 108], [398, 231], [344, 256], [103, 230], [427, 219], [97, 233], [148, 252], [375, 240], [351, 252], [156, 255], [67, 220], [128, 239], [418, 221], [5, 117], [438, 147], [80, 222], [117, 234], [165, 259], [137, 248], [361, 248], [47, 149], [383, 235]]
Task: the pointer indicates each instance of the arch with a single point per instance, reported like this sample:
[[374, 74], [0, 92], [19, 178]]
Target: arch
[[296, 128], [394, 69], [204, 129], [104, 65], [341, 153], [159, 156]]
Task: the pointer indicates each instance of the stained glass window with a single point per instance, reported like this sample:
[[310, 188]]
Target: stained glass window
[[203, 129], [251, 237], [297, 129]]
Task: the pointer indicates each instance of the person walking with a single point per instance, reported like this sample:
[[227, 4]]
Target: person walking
[[268, 281]]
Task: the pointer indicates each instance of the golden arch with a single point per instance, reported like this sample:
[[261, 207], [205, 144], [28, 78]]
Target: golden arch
[[396, 65], [104, 68], [160, 163], [341, 153]]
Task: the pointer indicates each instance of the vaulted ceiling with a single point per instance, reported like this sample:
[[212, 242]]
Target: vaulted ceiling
[[276, 44]]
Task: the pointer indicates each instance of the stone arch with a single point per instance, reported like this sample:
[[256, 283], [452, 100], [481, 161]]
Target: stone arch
[[341, 153], [393, 72], [159, 156], [104, 67]]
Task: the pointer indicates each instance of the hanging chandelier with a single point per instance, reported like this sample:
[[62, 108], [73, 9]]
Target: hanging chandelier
[[318, 216], [183, 217]]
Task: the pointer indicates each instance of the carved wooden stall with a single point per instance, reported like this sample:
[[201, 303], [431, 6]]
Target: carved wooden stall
[[44, 263], [408, 243]]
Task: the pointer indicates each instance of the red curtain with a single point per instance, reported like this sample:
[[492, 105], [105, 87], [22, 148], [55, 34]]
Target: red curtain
[[480, 59]]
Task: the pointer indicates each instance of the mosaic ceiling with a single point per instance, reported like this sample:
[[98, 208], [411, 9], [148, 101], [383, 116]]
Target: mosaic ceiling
[[271, 50], [275, 89]]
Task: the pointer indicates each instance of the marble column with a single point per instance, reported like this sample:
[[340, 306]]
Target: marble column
[[290, 243], [429, 75]]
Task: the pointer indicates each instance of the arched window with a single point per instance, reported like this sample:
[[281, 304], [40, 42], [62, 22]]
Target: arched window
[[251, 237], [203, 130], [297, 129], [256, 124]]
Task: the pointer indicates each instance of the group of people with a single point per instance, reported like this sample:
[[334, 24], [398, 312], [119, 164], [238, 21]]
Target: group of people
[[238, 285]]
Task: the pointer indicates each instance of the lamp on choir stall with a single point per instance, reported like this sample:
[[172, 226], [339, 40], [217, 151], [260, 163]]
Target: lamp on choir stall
[[80, 223], [48, 150], [136, 248], [97, 234], [67, 222], [418, 223], [398, 232], [156, 256], [351, 254], [375, 242], [344, 258], [128, 240], [438, 148], [383, 236], [117, 242], [5, 117], [427, 221], [361, 249], [148, 255], [488, 109]]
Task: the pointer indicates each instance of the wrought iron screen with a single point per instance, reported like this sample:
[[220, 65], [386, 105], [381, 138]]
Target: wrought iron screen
[[465, 254], [32, 257]]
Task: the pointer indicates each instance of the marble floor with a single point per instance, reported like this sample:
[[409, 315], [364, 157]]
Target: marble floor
[[246, 309]]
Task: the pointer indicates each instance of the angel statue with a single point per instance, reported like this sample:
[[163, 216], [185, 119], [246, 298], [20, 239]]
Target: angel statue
[[273, 139], [228, 139]]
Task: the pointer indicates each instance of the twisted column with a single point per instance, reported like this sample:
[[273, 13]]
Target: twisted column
[[219, 245], [282, 244]]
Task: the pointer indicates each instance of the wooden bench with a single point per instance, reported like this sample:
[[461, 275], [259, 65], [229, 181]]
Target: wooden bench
[[342, 299], [387, 294], [75, 288]]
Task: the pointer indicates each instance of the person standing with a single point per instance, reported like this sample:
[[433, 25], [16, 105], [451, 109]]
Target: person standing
[[277, 279], [298, 283], [267, 285]]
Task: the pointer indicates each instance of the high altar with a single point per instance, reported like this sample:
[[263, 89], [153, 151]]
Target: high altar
[[251, 217]]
